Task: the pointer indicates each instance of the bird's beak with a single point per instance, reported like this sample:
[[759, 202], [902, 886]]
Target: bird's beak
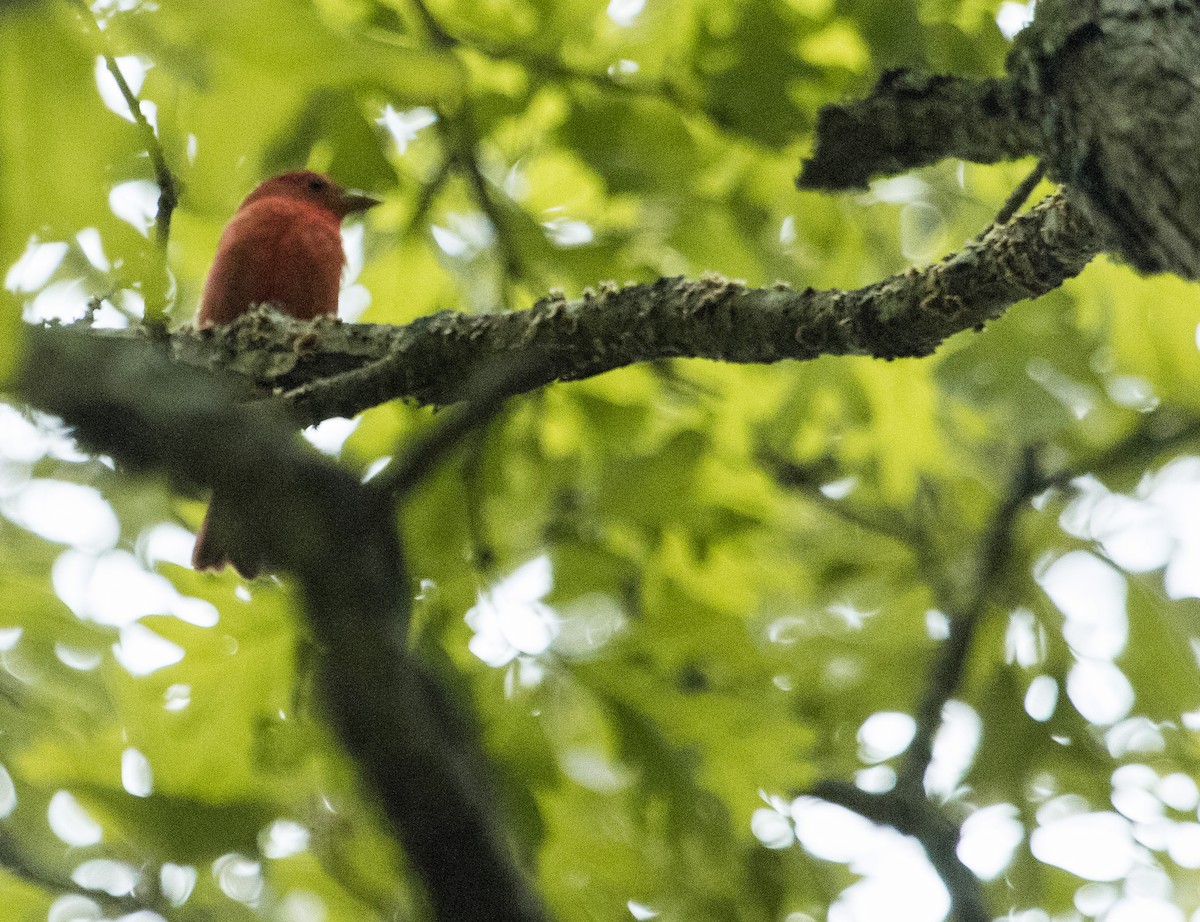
[[354, 202]]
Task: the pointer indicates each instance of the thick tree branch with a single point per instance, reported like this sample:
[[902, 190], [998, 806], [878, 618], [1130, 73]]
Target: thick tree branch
[[128, 400], [328, 369], [912, 120]]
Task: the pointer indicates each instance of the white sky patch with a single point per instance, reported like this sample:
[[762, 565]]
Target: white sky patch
[[464, 236], [1137, 804], [828, 831], [1025, 639], [240, 878], [177, 882], [64, 301], [898, 190], [71, 823], [303, 906], [64, 512], [989, 838], [352, 245], [1178, 791], [625, 12], [1095, 899], [1013, 17], [8, 793], [1144, 909], [283, 838], [116, 878], [167, 542], [405, 126], [137, 778], [142, 652], [641, 911], [92, 246], [566, 233], [1094, 846], [20, 439], [133, 69], [177, 697], [74, 908], [1183, 845], [772, 828], [1099, 691], [1134, 735], [623, 67], [1041, 698], [885, 734], [77, 659], [897, 883], [1091, 594], [330, 435], [878, 779], [510, 619], [35, 266], [136, 203], [954, 748], [114, 589]]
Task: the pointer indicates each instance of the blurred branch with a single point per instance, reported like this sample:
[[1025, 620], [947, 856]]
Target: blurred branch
[[461, 139], [425, 199], [341, 544], [325, 369], [917, 817], [13, 862], [991, 562], [913, 119], [891, 524]]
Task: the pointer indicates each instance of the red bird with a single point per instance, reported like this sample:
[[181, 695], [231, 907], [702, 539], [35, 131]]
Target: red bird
[[283, 247]]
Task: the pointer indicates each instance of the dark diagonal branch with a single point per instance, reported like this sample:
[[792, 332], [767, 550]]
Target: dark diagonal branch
[[129, 401], [910, 120], [918, 818], [328, 369], [481, 400]]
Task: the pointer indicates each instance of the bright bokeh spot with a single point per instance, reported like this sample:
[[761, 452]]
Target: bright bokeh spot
[[885, 734], [71, 823], [1094, 846], [990, 836], [510, 619]]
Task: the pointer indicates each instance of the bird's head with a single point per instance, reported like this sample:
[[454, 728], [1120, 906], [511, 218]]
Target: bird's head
[[308, 186]]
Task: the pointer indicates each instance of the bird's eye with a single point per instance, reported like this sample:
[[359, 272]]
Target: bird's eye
[[316, 184]]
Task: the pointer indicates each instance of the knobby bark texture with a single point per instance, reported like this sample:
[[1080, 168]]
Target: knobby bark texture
[[326, 369], [127, 399], [1104, 92]]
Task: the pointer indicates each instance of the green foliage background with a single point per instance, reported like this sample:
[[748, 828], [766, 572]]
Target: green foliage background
[[724, 637]]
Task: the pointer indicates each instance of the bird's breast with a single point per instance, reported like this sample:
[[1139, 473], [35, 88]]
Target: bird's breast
[[277, 251]]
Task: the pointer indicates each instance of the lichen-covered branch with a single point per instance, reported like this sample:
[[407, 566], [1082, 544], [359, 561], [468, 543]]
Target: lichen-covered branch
[[340, 542], [911, 120], [327, 369]]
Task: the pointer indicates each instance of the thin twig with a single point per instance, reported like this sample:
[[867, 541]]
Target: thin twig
[[950, 664], [425, 199], [168, 190], [1018, 195], [917, 817]]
